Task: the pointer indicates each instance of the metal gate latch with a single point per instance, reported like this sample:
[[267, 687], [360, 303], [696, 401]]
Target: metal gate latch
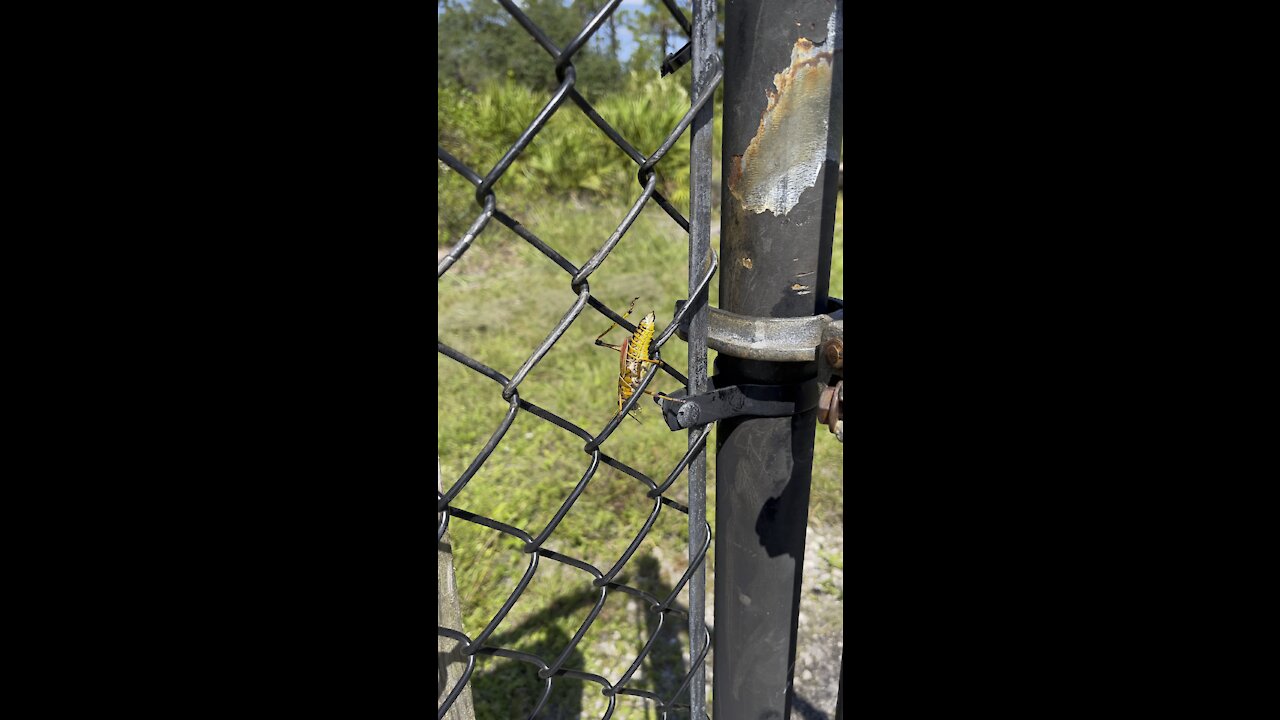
[[722, 403], [802, 339]]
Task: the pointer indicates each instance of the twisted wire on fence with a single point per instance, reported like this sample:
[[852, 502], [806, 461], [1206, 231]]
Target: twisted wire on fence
[[550, 670]]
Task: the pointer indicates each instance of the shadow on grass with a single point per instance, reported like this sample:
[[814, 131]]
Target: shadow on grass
[[665, 666], [503, 688]]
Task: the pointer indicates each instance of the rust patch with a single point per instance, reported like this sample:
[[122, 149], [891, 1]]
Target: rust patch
[[790, 144], [746, 263], [798, 286], [735, 172]]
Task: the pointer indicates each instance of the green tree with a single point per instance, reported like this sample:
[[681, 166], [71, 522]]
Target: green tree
[[656, 34], [479, 42]]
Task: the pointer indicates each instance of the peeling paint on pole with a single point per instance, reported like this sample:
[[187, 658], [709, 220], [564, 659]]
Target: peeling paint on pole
[[790, 145], [784, 70]]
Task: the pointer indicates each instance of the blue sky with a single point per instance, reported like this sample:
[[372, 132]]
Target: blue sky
[[627, 43]]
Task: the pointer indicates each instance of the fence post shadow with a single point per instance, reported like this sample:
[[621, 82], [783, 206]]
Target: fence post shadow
[[666, 664], [516, 683]]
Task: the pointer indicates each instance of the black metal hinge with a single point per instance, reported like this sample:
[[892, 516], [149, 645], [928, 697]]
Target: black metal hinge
[[722, 403]]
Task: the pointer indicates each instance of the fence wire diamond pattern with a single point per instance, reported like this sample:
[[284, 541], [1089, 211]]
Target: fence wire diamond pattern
[[550, 670]]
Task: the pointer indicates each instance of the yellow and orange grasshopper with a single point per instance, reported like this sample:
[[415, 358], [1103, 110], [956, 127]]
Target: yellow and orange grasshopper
[[635, 355]]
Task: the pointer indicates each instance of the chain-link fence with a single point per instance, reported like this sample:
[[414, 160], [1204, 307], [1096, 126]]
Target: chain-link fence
[[549, 670]]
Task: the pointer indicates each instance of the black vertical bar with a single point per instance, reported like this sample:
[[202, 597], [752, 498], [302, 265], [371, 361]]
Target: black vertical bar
[[782, 131], [704, 67]]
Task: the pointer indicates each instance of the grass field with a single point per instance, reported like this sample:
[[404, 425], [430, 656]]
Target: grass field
[[496, 305]]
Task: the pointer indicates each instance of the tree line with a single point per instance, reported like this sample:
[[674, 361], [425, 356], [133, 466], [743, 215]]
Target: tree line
[[479, 42]]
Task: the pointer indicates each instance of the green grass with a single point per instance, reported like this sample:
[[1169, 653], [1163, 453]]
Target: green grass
[[568, 156], [496, 305]]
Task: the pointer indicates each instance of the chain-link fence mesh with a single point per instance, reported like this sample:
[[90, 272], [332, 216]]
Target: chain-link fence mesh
[[551, 669]]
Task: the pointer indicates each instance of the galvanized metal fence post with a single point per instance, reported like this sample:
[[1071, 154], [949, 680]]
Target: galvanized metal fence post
[[705, 64], [782, 131]]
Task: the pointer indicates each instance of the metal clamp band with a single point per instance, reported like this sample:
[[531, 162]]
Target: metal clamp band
[[768, 339]]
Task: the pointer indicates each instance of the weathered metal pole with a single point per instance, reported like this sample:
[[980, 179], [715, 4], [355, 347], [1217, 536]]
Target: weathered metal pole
[[705, 66], [782, 133], [449, 659]]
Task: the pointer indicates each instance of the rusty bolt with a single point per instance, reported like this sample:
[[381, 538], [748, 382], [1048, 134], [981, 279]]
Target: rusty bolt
[[826, 401], [837, 415], [833, 351], [831, 408]]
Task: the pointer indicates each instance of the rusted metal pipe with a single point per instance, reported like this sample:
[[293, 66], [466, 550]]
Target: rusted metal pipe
[[782, 131]]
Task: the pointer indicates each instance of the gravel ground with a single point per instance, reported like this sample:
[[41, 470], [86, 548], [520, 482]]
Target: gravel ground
[[821, 634]]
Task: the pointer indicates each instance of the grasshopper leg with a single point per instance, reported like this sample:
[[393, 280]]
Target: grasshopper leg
[[632, 413], [614, 325]]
